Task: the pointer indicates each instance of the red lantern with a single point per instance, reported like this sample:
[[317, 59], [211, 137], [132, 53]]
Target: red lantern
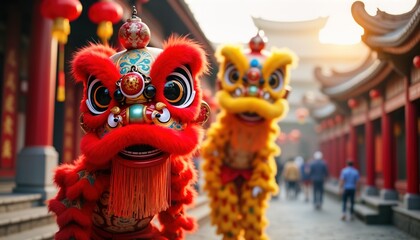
[[282, 138], [338, 119], [318, 128], [373, 93], [330, 122], [61, 12], [105, 13], [301, 114], [294, 135], [416, 61], [352, 103]]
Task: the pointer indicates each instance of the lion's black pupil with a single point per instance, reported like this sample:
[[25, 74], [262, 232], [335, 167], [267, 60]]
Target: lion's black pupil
[[235, 76], [102, 96], [171, 91], [273, 81]]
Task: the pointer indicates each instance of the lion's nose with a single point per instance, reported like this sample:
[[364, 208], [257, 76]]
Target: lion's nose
[[137, 114]]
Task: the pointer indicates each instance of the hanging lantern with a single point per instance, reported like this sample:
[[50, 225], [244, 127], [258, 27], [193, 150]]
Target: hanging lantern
[[62, 12], [294, 135], [373, 93], [105, 13], [416, 61], [301, 114], [352, 103], [318, 128], [282, 138], [330, 122], [338, 119]]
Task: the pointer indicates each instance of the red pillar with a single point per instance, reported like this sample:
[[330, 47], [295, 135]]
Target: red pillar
[[342, 150], [353, 146], [334, 155], [37, 160], [329, 157], [411, 144], [388, 191], [370, 153], [387, 151], [40, 101]]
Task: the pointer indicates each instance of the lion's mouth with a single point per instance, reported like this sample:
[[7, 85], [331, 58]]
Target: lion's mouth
[[250, 117], [141, 152]]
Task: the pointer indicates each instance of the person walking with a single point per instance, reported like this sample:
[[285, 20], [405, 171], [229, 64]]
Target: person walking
[[280, 165], [318, 174], [349, 178], [305, 178], [291, 176]]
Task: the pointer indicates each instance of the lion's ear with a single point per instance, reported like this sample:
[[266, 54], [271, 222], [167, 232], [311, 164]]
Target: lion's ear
[[94, 60]]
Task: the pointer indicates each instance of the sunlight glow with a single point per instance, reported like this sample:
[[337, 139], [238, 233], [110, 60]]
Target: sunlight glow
[[231, 20]]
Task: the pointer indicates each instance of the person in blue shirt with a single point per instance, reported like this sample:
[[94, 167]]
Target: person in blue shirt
[[349, 178], [318, 174], [305, 178]]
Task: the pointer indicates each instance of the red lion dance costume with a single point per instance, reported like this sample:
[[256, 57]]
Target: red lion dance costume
[[142, 114], [240, 146]]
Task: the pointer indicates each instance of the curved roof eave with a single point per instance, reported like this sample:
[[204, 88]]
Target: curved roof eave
[[316, 23], [324, 111], [382, 22], [337, 77], [397, 37], [360, 82]]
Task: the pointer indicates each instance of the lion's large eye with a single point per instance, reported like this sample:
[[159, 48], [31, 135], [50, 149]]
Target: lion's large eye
[[179, 90], [98, 97], [276, 80], [231, 74]]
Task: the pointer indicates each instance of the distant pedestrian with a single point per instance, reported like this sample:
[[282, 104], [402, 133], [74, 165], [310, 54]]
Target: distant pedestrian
[[280, 166], [318, 173], [305, 171], [349, 178], [291, 176]]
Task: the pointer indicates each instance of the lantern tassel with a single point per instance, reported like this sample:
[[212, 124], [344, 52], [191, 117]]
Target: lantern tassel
[[61, 91], [105, 31]]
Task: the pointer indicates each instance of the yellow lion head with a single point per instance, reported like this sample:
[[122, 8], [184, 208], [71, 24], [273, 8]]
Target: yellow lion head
[[254, 82]]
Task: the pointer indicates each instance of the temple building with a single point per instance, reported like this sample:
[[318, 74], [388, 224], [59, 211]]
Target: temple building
[[373, 117]]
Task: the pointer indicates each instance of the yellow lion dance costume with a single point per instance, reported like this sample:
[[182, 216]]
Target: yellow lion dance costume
[[240, 147]]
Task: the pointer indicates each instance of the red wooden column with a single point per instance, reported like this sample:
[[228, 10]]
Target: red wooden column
[[412, 197], [334, 155], [340, 153], [330, 156], [388, 192], [38, 158], [353, 146], [342, 150], [370, 188]]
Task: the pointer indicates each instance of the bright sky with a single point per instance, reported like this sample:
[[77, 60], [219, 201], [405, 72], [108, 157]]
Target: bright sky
[[231, 20]]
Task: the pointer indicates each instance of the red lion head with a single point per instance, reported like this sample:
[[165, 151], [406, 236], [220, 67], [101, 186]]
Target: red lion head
[[141, 109]]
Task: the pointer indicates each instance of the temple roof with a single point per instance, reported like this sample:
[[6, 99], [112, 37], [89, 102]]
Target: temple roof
[[324, 111], [307, 25], [334, 77], [348, 85], [395, 34]]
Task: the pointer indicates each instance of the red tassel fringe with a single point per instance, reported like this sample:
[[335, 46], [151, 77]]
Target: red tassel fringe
[[139, 192]]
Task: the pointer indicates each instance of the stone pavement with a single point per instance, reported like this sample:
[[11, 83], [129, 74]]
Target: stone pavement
[[297, 220]]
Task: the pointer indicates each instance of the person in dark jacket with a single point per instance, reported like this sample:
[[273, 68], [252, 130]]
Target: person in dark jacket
[[318, 174], [305, 179]]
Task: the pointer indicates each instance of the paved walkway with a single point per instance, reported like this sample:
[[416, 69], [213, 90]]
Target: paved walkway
[[297, 220]]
